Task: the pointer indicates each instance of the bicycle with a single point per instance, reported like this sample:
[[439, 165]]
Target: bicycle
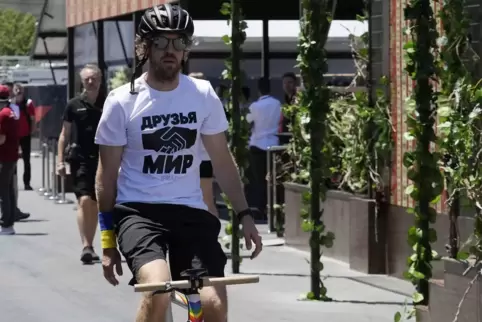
[[196, 280]]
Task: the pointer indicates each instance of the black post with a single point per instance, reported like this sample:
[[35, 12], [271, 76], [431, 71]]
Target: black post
[[70, 62], [136, 17], [236, 114], [185, 5], [265, 54], [101, 56]]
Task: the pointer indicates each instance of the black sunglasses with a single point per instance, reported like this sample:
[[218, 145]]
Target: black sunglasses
[[179, 44]]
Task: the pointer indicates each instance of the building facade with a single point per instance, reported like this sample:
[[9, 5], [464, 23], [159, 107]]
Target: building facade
[[103, 32]]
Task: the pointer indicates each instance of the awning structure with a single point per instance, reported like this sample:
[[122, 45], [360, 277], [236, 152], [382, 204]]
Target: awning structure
[[34, 7], [84, 11], [51, 40]]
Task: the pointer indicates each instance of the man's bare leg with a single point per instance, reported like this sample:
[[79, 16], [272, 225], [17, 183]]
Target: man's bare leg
[[214, 301], [87, 220], [153, 308]]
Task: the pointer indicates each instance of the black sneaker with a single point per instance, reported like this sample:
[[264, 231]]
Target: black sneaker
[[20, 215], [88, 255], [28, 187]]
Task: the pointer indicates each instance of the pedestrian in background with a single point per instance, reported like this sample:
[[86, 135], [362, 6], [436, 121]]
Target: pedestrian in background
[[26, 128], [264, 115], [81, 118], [19, 215], [9, 145]]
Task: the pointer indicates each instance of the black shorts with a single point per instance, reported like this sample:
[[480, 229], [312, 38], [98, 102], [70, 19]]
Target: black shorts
[[206, 169], [145, 232], [83, 178]]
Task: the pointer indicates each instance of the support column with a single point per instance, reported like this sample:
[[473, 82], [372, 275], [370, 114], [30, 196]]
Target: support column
[[70, 62], [185, 5], [101, 57], [136, 17], [265, 53]]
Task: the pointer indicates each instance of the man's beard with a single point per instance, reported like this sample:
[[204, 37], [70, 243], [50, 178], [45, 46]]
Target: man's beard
[[165, 72]]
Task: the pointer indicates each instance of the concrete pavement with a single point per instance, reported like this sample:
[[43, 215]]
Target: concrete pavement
[[42, 279]]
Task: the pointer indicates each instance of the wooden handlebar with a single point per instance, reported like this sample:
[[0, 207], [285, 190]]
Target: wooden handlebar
[[207, 281]]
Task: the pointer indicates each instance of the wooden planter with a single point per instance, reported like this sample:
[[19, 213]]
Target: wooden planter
[[349, 217]]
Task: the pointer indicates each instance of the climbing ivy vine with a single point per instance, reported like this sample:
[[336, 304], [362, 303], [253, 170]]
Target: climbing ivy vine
[[239, 129], [314, 99], [461, 121], [422, 163]]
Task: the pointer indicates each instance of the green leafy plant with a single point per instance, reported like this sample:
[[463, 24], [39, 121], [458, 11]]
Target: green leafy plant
[[356, 124], [460, 132], [239, 128], [460, 121], [422, 163], [120, 78], [314, 105], [17, 32]]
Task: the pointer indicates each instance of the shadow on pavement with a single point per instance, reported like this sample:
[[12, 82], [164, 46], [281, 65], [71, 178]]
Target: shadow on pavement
[[31, 234], [370, 302], [357, 279], [32, 220]]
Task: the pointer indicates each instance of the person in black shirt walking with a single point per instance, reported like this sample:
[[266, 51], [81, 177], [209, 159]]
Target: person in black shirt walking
[[81, 118]]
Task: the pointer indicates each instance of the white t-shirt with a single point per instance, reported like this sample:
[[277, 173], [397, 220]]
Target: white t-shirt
[[265, 113], [161, 133]]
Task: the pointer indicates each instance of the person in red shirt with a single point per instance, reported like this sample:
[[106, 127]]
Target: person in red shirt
[[9, 144], [26, 127]]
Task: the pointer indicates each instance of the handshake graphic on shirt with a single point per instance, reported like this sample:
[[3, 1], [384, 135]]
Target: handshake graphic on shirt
[[169, 140]]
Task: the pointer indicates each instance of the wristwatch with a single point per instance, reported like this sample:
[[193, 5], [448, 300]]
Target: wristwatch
[[246, 212]]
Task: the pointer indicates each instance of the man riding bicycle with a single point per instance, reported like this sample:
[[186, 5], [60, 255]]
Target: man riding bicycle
[[148, 183]]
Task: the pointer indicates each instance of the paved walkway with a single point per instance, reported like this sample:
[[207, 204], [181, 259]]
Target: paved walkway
[[42, 280]]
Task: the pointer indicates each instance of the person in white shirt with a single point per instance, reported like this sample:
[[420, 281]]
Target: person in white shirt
[[264, 115], [148, 185]]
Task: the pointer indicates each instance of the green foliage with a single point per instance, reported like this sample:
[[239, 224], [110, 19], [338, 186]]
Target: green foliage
[[17, 32], [314, 107], [422, 163], [461, 118], [356, 124], [120, 78], [239, 128]]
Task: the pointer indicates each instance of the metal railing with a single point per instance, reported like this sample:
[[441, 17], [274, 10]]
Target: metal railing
[[51, 188], [272, 184]]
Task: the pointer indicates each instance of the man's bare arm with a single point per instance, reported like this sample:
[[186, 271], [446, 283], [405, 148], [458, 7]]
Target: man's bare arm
[[63, 140], [225, 169], [110, 158]]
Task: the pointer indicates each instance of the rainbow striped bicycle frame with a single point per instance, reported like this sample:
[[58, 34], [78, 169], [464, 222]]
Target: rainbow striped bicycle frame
[[190, 302]]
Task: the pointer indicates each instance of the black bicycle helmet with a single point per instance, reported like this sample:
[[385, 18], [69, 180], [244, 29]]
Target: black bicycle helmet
[[166, 18]]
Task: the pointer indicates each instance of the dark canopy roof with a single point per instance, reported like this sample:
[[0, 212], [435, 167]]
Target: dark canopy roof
[[51, 39]]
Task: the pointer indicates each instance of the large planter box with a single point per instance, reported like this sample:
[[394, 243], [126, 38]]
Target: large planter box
[[446, 294], [350, 218]]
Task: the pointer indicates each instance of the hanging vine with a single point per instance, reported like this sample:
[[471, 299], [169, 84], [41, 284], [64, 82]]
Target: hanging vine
[[422, 163], [455, 107], [461, 128], [315, 98], [239, 128]]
